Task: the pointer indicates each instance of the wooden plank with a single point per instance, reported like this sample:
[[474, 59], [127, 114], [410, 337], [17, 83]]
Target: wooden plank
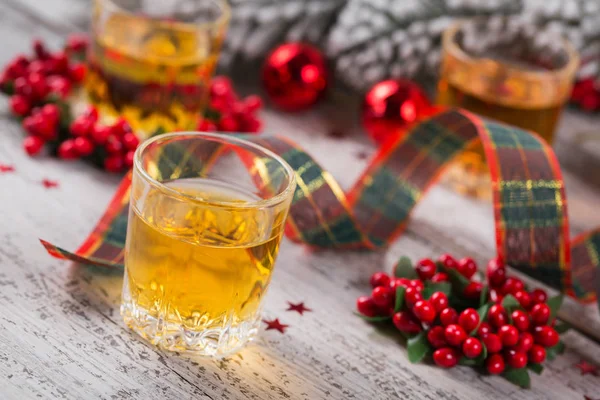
[[61, 335]]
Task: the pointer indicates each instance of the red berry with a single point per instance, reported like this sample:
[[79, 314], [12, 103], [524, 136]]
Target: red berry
[[520, 320], [437, 337], [446, 357], [59, 85], [467, 267], [468, 319], [15, 70], [495, 364], [540, 313], [511, 286], [252, 103], [537, 354], [60, 62], [525, 342], [492, 343], [228, 124], [395, 282], [439, 300], [77, 42], [417, 284], [131, 142], [23, 87], [523, 299], [546, 336], [81, 127], [39, 86], [425, 269], [43, 127], [495, 296], [19, 105], [251, 124], [113, 163], [220, 87], [77, 72], [509, 335], [455, 334], [472, 347], [440, 277], [206, 126], [473, 290], [379, 279], [29, 125], [67, 150], [448, 261], [538, 296], [496, 272], [424, 311], [33, 145], [366, 306], [51, 112], [36, 66], [39, 49], [91, 114], [484, 329], [113, 144], [497, 316], [120, 127], [100, 134], [515, 359], [128, 159], [448, 316], [406, 322], [83, 146], [411, 296]]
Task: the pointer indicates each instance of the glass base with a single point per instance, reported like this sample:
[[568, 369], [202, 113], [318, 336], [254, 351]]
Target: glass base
[[218, 339]]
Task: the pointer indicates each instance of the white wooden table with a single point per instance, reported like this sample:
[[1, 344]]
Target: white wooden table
[[61, 335]]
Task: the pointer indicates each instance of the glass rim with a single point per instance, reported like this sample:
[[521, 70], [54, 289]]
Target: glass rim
[[222, 19], [272, 201], [449, 44]]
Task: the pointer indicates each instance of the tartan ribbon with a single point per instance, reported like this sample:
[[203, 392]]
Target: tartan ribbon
[[530, 206]]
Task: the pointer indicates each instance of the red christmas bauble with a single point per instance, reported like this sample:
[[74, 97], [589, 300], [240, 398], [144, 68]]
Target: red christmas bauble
[[390, 106], [295, 76]]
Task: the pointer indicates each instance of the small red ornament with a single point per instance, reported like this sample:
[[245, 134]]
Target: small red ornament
[[295, 76], [390, 106]]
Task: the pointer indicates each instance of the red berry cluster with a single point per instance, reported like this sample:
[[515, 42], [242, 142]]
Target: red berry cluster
[[228, 113], [33, 81], [117, 141], [586, 94], [500, 337]]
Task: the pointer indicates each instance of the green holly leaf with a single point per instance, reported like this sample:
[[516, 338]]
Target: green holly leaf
[[400, 290], [553, 352], [480, 360], [381, 318], [158, 131], [483, 297], [432, 287], [554, 303], [483, 312], [418, 347], [404, 269], [519, 377], [562, 327], [537, 368], [458, 281], [510, 304]]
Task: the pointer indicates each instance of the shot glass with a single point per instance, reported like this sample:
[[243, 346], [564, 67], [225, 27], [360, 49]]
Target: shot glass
[[152, 61], [206, 218], [508, 69]]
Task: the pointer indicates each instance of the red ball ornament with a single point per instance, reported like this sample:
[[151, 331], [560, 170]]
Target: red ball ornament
[[390, 106], [295, 76]]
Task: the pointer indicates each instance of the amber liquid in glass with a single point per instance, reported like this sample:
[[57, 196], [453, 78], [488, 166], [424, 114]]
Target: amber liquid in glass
[[153, 72], [194, 269]]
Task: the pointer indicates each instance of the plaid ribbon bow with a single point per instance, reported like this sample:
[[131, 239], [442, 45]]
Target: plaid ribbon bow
[[530, 206]]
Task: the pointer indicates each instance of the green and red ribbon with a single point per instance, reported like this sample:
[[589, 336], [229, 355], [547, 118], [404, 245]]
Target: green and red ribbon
[[530, 205]]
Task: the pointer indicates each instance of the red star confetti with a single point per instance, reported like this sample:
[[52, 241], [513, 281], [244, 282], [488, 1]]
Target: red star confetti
[[275, 324], [298, 307], [7, 168], [49, 184], [587, 368]]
